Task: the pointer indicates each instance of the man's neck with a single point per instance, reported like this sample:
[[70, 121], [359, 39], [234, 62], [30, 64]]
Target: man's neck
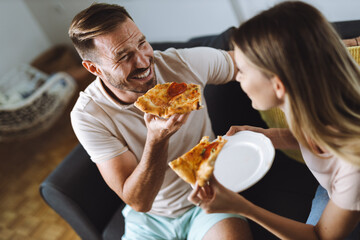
[[124, 98]]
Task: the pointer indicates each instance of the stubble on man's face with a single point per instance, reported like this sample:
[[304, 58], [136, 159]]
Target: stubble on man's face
[[128, 60], [130, 85]]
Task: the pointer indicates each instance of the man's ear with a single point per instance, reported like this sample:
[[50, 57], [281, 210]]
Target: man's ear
[[278, 87], [91, 67]]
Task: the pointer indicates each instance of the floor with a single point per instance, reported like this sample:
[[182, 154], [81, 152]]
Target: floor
[[24, 164]]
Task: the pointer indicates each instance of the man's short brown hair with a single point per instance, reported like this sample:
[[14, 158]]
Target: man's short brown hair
[[96, 20]]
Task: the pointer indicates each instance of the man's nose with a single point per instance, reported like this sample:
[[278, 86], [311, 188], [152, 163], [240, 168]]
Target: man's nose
[[142, 61]]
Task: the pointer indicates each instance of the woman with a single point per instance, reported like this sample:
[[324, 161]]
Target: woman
[[290, 57]]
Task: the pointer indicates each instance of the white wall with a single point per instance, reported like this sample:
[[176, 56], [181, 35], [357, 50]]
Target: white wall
[[29, 27], [334, 10], [159, 20], [54, 16], [179, 20], [21, 38], [176, 20]]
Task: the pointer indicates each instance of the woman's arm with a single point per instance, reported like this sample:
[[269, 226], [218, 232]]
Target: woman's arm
[[352, 42], [281, 138], [335, 223]]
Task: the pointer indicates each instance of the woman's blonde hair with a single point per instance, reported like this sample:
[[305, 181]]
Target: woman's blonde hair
[[295, 42]]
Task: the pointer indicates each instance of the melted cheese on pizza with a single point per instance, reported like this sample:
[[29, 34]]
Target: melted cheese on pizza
[[167, 99], [198, 163]]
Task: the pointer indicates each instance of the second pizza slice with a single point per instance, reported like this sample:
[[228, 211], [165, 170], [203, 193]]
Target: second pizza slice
[[198, 163]]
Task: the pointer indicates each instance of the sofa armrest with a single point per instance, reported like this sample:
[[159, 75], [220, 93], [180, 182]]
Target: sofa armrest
[[77, 192]]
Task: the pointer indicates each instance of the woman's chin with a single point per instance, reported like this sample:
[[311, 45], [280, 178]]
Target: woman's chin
[[256, 107], [259, 108]]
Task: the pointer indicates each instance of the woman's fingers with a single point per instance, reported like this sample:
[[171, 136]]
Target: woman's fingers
[[200, 194], [193, 197], [234, 129], [208, 190]]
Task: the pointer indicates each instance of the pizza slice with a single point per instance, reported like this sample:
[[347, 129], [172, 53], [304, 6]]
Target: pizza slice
[[166, 99], [198, 163]]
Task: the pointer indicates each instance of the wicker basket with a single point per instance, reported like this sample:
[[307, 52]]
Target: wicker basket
[[30, 101]]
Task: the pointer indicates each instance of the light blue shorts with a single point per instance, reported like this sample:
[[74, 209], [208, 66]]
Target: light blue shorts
[[319, 203], [192, 225]]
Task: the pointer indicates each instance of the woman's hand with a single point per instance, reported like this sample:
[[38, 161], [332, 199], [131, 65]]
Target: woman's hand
[[235, 129], [215, 198], [281, 138]]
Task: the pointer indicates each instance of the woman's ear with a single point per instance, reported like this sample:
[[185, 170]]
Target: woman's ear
[[278, 87], [91, 67]]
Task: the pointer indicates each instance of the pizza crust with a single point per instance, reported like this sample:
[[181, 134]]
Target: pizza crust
[[194, 165]]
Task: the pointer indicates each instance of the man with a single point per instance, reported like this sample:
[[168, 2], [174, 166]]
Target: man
[[132, 149]]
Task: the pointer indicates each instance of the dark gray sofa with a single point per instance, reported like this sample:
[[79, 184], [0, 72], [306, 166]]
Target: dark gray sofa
[[77, 192]]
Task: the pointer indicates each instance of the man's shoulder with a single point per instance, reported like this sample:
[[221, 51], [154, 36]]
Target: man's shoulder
[[166, 54], [86, 97], [177, 52], [196, 56], [198, 65]]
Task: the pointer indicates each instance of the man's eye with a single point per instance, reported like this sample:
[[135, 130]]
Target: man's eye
[[142, 43], [123, 58]]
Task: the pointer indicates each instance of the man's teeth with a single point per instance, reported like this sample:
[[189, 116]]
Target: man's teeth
[[144, 75]]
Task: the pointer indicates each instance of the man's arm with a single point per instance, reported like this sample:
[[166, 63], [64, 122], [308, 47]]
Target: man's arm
[[137, 184], [231, 53]]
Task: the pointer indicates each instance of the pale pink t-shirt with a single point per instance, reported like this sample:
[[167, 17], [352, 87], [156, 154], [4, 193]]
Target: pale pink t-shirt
[[107, 129], [340, 178]]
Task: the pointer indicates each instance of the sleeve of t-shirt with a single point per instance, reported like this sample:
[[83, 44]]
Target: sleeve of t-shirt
[[99, 143], [344, 184], [213, 66], [346, 190]]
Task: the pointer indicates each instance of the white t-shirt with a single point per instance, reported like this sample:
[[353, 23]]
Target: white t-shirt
[[340, 178], [107, 129]]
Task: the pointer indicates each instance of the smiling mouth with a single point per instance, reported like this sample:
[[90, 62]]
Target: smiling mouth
[[142, 75]]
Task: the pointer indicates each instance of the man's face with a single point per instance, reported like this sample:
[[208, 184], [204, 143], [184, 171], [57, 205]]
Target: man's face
[[126, 59]]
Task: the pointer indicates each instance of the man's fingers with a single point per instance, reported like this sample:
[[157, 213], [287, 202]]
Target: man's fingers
[[183, 117], [179, 117], [148, 117], [177, 120]]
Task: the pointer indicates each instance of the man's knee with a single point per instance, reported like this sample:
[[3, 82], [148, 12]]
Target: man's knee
[[229, 228]]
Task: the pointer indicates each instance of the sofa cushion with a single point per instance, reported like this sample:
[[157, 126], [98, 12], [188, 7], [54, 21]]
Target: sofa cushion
[[116, 226]]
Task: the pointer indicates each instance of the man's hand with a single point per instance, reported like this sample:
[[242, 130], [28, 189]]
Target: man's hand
[[161, 129], [138, 183]]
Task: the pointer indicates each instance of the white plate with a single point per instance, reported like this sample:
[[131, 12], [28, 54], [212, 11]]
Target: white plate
[[244, 160]]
